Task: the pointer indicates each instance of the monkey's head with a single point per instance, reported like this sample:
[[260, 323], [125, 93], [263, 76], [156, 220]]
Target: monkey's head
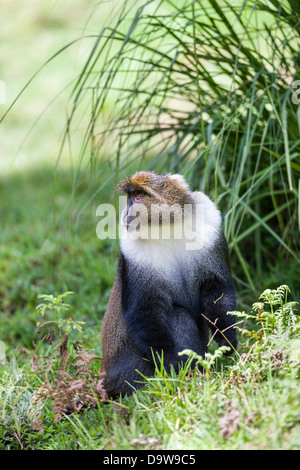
[[154, 199]]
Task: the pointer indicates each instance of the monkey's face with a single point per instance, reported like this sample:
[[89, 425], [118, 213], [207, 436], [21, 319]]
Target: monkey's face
[[153, 200]]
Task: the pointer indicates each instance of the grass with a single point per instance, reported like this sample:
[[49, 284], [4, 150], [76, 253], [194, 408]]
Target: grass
[[42, 78], [143, 95], [190, 88], [39, 254], [204, 88], [247, 401]]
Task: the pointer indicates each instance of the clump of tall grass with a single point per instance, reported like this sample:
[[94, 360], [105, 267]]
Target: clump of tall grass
[[204, 89]]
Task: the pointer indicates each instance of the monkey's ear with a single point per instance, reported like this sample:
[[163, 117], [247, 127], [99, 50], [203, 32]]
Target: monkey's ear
[[179, 179]]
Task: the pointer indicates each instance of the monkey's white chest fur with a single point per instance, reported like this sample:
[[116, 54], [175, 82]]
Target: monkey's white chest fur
[[166, 255]]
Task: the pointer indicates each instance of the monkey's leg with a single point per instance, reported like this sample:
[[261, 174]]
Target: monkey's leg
[[122, 376]]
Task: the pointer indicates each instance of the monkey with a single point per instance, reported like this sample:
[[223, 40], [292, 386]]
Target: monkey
[[169, 291]]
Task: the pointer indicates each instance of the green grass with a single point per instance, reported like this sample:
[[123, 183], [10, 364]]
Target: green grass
[[41, 254], [204, 89], [190, 88], [247, 401], [42, 78]]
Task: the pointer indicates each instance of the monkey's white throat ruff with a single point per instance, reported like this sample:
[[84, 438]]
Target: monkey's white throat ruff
[[193, 227], [196, 229], [196, 224]]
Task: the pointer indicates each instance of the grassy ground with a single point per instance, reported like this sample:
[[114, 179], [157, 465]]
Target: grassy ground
[[39, 254], [48, 245], [247, 401]]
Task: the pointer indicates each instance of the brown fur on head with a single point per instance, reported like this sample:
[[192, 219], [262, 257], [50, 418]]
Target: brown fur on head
[[158, 189]]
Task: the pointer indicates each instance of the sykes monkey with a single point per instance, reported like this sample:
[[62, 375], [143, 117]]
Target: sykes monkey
[[168, 280]]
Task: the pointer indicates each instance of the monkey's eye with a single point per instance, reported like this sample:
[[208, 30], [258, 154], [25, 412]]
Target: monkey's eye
[[138, 197]]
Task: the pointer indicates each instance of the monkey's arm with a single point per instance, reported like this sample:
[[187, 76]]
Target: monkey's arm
[[146, 314], [218, 298]]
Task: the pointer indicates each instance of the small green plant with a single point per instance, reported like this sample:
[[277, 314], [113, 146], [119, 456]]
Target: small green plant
[[19, 416], [282, 314], [208, 361], [273, 316], [73, 382], [58, 307]]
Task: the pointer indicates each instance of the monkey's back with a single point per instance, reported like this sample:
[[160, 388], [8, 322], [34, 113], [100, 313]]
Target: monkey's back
[[114, 333]]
